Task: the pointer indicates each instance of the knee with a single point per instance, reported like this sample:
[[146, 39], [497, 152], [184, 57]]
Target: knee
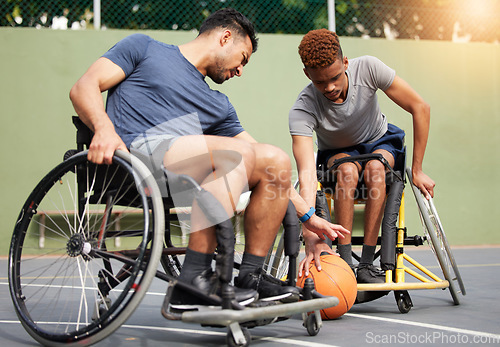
[[374, 173], [274, 163], [347, 175], [229, 160]]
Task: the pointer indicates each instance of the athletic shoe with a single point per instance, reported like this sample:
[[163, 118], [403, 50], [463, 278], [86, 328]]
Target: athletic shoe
[[370, 274], [268, 287], [207, 283]]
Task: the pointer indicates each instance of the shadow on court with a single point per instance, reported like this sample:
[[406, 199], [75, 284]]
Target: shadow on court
[[434, 319]]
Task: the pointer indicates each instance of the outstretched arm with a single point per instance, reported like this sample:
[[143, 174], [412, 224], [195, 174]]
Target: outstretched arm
[[403, 94], [316, 229], [89, 105]]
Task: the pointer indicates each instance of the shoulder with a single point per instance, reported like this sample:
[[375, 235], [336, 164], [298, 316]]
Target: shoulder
[[136, 39], [307, 97], [367, 62], [370, 71], [139, 43]]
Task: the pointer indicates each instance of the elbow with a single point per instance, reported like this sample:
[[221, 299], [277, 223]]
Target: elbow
[[73, 92], [426, 108], [421, 110]]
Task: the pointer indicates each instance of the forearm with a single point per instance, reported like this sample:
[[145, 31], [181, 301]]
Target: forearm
[[307, 197], [88, 103], [421, 124]]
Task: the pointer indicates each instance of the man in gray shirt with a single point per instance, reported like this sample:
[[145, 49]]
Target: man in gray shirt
[[340, 105]]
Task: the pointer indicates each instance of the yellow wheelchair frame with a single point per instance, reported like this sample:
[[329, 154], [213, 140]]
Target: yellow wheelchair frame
[[395, 280]]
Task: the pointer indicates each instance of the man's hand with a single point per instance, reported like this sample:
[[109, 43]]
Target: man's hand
[[324, 229], [103, 146], [424, 183], [314, 247], [315, 231]]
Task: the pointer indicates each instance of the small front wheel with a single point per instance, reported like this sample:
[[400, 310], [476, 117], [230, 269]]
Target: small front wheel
[[231, 341], [311, 324], [403, 301]]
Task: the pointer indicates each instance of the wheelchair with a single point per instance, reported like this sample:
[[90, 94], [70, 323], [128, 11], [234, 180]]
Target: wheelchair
[[394, 235], [111, 231]]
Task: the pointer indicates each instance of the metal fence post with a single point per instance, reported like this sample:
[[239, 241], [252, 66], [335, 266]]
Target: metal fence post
[[331, 15], [97, 14]]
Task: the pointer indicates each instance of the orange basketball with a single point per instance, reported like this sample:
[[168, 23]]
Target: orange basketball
[[335, 279]]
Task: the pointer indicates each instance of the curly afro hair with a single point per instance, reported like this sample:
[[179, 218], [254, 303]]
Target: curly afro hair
[[320, 48]]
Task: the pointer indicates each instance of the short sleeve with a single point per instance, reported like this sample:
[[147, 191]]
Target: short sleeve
[[301, 122], [381, 75], [231, 125], [128, 52]]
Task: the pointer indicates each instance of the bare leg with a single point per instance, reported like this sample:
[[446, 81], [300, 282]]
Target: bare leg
[[347, 180], [270, 184], [218, 170]]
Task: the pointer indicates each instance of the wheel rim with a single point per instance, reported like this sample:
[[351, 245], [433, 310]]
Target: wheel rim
[[56, 290]]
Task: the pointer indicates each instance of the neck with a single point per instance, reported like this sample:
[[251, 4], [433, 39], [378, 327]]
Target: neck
[[197, 53], [343, 94]]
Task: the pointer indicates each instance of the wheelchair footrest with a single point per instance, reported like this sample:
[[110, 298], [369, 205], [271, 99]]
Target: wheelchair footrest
[[403, 286], [224, 317]]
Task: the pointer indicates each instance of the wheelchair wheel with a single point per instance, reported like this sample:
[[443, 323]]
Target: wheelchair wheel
[[438, 242], [277, 264], [103, 240], [175, 236]]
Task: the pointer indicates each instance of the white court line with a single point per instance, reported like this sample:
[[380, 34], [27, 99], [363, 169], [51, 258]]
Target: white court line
[[426, 325], [204, 332], [301, 343]]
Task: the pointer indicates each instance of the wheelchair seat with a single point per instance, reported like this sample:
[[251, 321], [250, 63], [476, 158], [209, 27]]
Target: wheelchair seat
[[395, 181], [394, 236]]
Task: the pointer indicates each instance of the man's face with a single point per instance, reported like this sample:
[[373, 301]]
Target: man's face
[[233, 56], [331, 80]]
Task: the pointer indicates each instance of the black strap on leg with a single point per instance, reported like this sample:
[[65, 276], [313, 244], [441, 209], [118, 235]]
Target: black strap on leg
[[224, 233], [291, 231], [389, 228]]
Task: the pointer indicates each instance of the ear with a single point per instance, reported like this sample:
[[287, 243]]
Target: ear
[[225, 37], [346, 62]]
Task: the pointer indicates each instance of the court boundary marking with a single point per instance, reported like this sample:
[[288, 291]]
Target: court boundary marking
[[426, 325]]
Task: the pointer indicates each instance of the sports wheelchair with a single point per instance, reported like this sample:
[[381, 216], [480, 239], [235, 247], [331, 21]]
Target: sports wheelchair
[[110, 231], [394, 235]]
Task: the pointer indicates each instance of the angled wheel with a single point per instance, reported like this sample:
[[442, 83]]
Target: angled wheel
[[311, 325], [104, 229], [403, 301], [438, 242], [277, 264], [239, 338]]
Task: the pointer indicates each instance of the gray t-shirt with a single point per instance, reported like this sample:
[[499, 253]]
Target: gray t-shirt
[[357, 120]]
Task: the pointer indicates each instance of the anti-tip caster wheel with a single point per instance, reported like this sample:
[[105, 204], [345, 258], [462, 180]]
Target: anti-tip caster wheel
[[404, 301], [312, 325], [238, 337]]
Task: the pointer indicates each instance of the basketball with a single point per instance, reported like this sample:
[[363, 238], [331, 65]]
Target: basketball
[[335, 279]]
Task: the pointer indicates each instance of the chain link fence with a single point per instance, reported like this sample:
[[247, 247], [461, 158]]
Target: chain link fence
[[450, 20]]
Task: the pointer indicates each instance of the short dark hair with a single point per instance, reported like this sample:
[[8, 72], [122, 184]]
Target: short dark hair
[[233, 20], [320, 48]]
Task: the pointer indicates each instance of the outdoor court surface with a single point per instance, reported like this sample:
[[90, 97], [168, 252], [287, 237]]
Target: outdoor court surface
[[433, 320]]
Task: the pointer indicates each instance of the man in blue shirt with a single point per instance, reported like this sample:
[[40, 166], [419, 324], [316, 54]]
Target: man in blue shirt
[[158, 101]]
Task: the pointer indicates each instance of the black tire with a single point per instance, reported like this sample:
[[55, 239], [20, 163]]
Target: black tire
[[403, 301], [311, 325], [81, 286], [438, 242]]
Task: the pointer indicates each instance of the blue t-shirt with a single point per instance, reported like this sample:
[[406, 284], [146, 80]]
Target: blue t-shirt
[[164, 94]]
